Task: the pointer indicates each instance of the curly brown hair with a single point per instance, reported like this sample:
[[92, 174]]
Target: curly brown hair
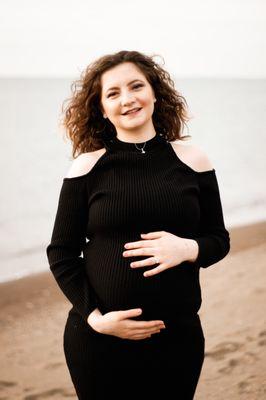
[[82, 116]]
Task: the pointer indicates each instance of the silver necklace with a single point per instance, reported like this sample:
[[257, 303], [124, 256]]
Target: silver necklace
[[142, 148]]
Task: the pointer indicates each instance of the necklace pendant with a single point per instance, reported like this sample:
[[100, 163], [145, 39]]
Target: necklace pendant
[[142, 151]]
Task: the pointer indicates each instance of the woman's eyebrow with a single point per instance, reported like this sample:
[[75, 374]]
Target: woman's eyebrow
[[115, 87]]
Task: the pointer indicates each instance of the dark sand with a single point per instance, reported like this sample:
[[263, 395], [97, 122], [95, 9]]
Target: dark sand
[[34, 311]]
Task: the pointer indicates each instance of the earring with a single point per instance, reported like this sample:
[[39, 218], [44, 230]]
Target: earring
[[154, 100]]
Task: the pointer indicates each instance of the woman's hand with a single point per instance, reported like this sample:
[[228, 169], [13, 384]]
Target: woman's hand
[[166, 249], [118, 323]]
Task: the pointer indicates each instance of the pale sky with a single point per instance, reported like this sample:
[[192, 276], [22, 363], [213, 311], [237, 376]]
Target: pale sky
[[196, 38]]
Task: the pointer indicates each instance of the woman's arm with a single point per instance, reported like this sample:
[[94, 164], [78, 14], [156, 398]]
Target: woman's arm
[[213, 242], [213, 239], [67, 241]]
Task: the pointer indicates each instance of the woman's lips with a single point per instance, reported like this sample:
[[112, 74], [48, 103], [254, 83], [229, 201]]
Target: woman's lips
[[133, 112]]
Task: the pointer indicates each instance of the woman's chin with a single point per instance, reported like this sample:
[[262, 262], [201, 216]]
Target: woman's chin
[[135, 122]]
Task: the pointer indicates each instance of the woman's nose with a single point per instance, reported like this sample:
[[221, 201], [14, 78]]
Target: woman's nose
[[127, 99]]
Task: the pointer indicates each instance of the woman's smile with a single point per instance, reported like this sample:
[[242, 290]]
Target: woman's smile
[[133, 113]]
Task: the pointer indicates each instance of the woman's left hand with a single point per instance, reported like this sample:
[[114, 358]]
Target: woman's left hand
[[166, 249]]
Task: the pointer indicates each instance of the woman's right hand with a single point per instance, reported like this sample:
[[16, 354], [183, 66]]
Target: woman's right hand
[[118, 323]]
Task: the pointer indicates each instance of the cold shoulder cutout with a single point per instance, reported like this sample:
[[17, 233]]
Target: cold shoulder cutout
[[197, 154], [83, 165]]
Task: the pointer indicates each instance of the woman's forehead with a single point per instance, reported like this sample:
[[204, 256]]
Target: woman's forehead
[[121, 75]]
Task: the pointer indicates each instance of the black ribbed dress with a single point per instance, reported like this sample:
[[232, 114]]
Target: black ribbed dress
[[127, 193]]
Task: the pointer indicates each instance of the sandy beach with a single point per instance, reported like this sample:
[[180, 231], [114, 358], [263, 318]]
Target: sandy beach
[[34, 310]]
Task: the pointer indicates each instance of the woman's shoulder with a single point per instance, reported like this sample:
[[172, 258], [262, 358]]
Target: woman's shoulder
[[193, 155], [84, 163]]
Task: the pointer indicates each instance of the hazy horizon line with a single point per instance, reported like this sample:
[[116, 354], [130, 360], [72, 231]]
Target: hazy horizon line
[[33, 76]]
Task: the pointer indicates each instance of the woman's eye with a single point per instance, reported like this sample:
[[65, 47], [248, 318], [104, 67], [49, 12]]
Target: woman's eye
[[134, 87]]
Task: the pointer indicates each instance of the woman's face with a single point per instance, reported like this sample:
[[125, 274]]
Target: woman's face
[[125, 87]]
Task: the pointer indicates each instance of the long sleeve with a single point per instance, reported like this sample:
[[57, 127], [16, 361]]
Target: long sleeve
[[214, 239], [67, 241]]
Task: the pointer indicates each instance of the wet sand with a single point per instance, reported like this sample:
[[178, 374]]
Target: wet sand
[[34, 310]]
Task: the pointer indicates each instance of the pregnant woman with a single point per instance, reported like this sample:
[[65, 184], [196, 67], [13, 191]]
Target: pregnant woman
[[139, 213]]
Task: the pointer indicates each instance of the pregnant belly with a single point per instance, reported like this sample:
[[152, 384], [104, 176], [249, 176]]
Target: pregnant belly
[[117, 285], [120, 287]]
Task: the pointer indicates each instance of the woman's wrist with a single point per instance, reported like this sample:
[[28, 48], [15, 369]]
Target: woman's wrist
[[93, 316], [191, 250]]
